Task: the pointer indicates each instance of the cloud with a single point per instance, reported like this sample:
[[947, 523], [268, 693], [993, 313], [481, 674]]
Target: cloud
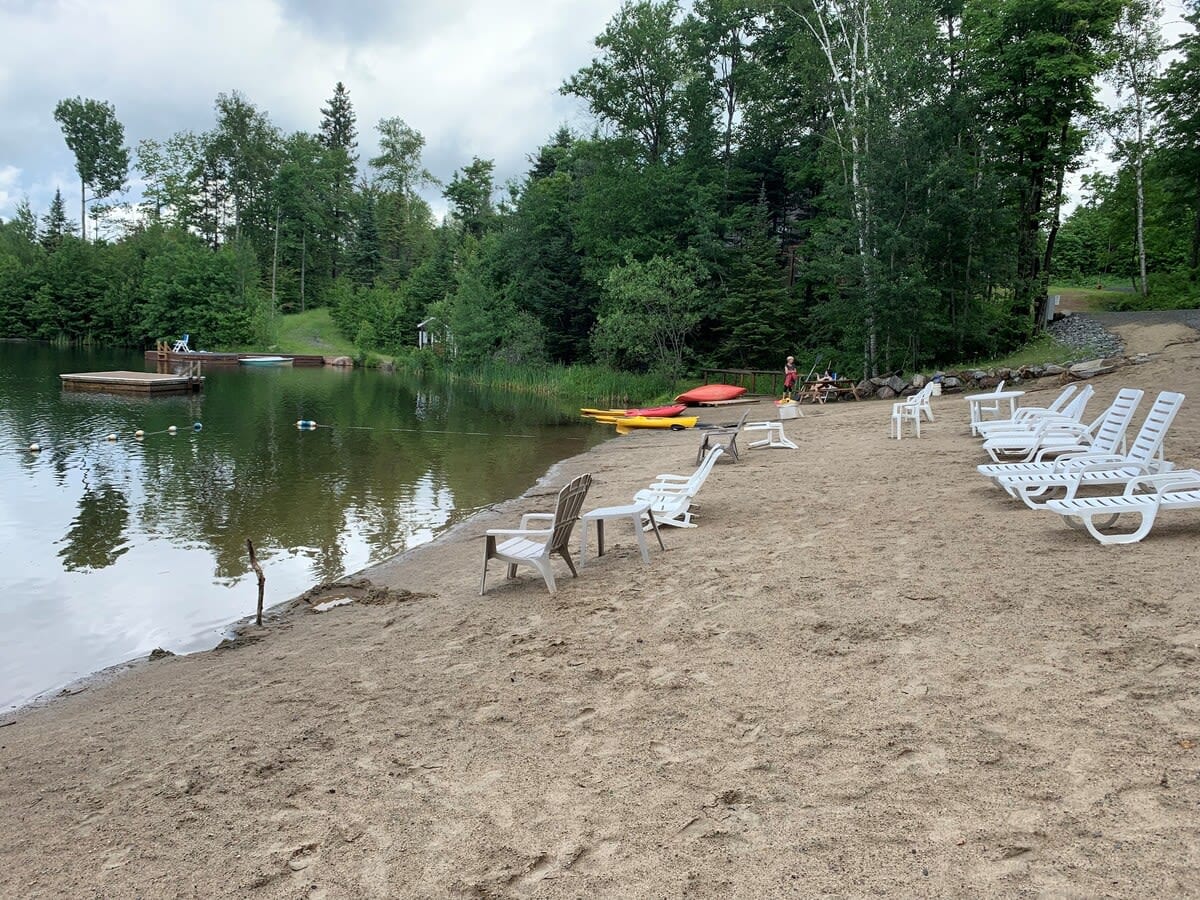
[[476, 78]]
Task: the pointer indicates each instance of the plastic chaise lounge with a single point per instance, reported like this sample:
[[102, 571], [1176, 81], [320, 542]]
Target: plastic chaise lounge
[[1027, 416], [1108, 440], [1047, 433], [533, 546], [1145, 457], [1170, 490]]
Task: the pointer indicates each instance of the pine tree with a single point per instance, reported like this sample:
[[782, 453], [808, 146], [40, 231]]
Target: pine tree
[[339, 138], [55, 225]]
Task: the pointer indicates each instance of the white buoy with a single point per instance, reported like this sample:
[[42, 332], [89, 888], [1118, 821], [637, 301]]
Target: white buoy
[[112, 437], [34, 448], [171, 429], [139, 433]]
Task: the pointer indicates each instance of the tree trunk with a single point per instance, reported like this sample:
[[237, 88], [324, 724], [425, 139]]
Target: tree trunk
[[82, 210], [303, 251]]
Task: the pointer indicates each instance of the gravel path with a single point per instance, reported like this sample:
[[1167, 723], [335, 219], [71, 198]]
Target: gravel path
[[1089, 334]]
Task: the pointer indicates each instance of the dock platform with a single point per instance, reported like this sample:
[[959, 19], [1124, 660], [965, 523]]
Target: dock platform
[[132, 382], [162, 354]]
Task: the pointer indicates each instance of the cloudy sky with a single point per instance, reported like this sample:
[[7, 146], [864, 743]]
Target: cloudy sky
[[475, 77]]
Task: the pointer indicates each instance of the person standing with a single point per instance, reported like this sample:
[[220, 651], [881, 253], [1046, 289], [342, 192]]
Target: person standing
[[790, 376]]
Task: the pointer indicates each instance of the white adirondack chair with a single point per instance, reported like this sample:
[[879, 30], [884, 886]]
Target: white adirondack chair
[[1145, 457], [533, 546], [671, 500], [1171, 490], [1108, 439], [1022, 416]]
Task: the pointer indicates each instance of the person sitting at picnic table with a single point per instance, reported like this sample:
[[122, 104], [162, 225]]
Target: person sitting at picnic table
[[821, 387], [790, 376]]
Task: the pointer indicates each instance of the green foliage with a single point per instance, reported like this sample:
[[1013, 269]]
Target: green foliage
[[96, 137], [650, 310]]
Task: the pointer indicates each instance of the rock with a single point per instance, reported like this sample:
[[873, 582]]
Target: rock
[[978, 376], [987, 381], [342, 361], [950, 383], [866, 387], [919, 381], [896, 383], [885, 393], [160, 653], [387, 366], [1053, 369]]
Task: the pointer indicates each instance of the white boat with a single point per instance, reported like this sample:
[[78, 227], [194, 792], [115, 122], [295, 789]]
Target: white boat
[[265, 360]]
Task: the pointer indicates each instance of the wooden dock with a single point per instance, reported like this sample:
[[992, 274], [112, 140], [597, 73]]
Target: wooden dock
[[163, 354], [132, 382]]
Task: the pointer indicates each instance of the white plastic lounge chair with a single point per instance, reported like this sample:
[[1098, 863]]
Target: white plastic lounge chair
[[1171, 490], [1145, 457], [910, 410], [533, 546], [1045, 434], [1108, 439], [726, 438], [994, 406], [671, 501], [1068, 412], [1022, 416], [181, 345]]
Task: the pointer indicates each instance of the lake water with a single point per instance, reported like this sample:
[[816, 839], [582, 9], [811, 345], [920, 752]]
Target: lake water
[[113, 548]]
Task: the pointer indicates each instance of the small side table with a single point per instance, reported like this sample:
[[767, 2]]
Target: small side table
[[631, 511]]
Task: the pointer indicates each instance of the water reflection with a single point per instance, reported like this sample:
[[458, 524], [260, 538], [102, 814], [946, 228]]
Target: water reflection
[[120, 544]]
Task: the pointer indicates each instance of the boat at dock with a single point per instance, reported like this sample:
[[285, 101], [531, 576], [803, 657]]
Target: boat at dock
[[265, 361]]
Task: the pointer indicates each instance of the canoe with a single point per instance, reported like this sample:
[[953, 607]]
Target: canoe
[[266, 361], [709, 392], [650, 412], [675, 423]]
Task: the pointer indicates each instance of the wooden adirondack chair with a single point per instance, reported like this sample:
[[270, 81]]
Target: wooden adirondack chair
[[725, 438]]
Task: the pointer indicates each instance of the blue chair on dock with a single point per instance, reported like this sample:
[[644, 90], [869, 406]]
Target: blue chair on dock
[[181, 345]]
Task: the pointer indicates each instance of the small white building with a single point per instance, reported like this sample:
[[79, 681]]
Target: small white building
[[431, 332]]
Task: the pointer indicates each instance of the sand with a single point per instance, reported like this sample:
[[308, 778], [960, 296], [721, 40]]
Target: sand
[[866, 672]]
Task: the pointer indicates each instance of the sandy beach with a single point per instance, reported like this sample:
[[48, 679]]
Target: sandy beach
[[867, 672]]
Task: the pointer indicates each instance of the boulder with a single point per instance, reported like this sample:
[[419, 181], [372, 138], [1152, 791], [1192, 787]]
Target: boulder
[[885, 393], [342, 361], [951, 383], [987, 381], [896, 383], [919, 381], [1053, 369]]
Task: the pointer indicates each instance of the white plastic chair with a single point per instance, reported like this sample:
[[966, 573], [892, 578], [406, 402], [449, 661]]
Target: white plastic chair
[[1108, 439], [775, 438], [994, 406], [911, 410], [671, 498], [1145, 457], [523, 546], [1062, 430], [181, 345], [1172, 490], [1027, 415]]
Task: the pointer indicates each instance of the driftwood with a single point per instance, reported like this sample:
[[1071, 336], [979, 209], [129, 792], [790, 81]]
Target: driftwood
[[262, 580]]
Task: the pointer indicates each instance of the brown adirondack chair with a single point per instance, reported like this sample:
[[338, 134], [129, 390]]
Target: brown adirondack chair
[[725, 438], [533, 546]]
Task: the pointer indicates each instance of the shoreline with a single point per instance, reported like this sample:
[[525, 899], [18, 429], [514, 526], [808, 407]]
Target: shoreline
[[866, 671]]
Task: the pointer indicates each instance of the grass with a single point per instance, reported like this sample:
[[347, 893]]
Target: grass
[[1041, 351], [311, 332]]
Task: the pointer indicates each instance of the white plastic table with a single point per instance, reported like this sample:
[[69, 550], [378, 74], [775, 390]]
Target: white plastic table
[[631, 511], [975, 401]]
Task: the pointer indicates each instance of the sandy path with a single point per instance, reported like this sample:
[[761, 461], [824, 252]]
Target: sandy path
[[866, 672]]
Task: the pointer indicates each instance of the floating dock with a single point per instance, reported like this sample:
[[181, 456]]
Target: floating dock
[[132, 382]]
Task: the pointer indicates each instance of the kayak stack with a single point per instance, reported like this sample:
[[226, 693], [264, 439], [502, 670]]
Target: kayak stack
[[627, 420]]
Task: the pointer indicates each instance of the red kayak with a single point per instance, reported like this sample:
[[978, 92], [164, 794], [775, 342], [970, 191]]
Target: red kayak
[[657, 412], [709, 392]]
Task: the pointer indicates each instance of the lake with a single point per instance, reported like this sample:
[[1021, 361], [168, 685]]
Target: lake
[[114, 548]]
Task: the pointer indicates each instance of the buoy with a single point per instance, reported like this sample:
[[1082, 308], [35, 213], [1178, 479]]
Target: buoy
[[112, 437], [139, 433], [196, 426], [34, 448], [304, 424], [171, 429]]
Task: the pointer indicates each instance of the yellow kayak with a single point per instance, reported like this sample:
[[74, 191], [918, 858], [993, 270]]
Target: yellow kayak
[[675, 423]]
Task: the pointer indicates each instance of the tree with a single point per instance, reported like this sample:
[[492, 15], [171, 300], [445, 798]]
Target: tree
[[55, 225], [399, 161], [1138, 43], [634, 85], [95, 136], [1177, 101], [339, 138], [470, 194]]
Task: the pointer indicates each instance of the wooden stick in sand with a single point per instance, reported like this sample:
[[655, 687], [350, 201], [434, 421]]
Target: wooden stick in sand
[[262, 580]]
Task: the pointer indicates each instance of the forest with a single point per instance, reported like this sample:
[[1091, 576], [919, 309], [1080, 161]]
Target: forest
[[881, 183]]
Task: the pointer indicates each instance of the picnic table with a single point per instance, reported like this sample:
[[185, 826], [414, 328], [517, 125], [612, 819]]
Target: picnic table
[[820, 391]]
